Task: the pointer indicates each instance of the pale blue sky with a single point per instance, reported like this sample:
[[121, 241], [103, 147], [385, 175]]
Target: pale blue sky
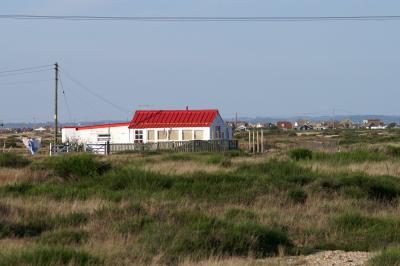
[[253, 68]]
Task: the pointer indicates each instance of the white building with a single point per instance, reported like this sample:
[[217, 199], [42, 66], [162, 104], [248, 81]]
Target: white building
[[151, 126]]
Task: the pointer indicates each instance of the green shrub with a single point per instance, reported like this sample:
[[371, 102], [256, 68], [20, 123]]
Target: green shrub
[[44, 255], [357, 185], [78, 165], [226, 162], [64, 237], [393, 151], [240, 215], [198, 236], [216, 158], [13, 160], [301, 154], [388, 257], [297, 196], [350, 156], [357, 232], [27, 229]]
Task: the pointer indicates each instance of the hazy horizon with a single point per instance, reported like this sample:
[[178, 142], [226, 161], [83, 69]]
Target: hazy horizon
[[253, 68]]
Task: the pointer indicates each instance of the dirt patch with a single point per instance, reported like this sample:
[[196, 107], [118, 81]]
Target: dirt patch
[[325, 258]]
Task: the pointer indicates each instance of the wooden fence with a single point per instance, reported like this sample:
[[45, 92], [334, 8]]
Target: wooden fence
[[182, 146]]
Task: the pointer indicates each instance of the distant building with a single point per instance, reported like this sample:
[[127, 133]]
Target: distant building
[[152, 126], [373, 124], [284, 125], [305, 127]]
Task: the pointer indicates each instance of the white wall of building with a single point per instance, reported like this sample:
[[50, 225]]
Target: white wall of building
[[122, 134], [119, 134]]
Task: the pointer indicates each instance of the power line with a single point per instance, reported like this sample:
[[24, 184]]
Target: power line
[[200, 18], [65, 98], [24, 73], [123, 110], [24, 69], [25, 82]]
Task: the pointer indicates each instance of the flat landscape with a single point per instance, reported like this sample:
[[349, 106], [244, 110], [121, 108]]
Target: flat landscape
[[313, 198]]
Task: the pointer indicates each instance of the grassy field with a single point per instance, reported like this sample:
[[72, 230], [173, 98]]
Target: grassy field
[[207, 209]]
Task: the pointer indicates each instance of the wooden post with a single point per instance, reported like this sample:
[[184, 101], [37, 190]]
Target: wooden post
[[258, 144], [262, 141], [249, 141], [253, 143]]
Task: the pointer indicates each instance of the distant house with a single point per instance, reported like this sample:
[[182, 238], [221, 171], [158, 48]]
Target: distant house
[[284, 125], [373, 124], [152, 126], [319, 126], [305, 127], [345, 123]]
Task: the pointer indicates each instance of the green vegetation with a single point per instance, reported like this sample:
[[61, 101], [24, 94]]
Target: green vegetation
[[388, 257], [297, 195], [75, 166], [13, 160], [350, 156], [44, 255], [358, 232], [166, 208], [301, 154]]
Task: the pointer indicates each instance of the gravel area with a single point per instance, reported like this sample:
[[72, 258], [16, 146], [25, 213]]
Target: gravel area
[[325, 258]]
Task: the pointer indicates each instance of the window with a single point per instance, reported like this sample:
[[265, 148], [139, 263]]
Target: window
[[103, 137], [187, 135], [150, 135], [162, 135], [173, 135], [138, 136], [198, 134], [217, 134]]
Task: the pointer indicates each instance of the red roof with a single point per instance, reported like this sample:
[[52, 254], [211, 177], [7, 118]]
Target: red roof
[[99, 126], [173, 118]]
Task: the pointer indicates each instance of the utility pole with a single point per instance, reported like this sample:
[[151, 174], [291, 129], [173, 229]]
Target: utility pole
[[56, 105]]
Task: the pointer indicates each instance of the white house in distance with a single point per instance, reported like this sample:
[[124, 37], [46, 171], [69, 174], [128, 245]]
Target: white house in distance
[[152, 126]]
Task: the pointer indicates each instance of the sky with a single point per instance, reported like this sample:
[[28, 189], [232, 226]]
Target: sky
[[249, 68]]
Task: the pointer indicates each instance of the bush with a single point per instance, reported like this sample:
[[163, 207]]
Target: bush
[[44, 255], [297, 196], [357, 232], [13, 160], [240, 215], [301, 154], [64, 237], [79, 165], [350, 156], [376, 188], [393, 151], [388, 257], [27, 229], [226, 162], [198, 236]]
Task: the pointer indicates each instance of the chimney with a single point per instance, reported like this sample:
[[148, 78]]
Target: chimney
[[187, 107]]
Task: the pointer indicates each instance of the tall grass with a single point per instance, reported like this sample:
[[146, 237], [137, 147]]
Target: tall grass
[[388, 257], [45, 255], [349, 156], [79, 165], [13, 160], [359, 232], [198, 236]]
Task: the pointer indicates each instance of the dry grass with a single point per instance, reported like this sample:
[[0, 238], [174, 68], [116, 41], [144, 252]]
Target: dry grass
[[389, 167], [11, 176]]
